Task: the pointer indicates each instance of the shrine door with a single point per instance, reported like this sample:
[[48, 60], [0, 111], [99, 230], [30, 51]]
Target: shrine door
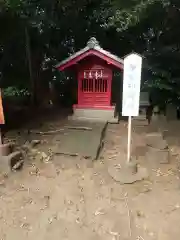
[[94, 92]]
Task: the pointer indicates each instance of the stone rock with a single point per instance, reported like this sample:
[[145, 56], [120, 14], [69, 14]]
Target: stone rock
[[42, 156], [159, 156], [15, 158], [155, 140], [35, 142]]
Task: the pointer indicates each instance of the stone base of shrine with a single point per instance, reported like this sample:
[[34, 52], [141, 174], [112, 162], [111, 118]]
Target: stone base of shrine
[[94, 114]]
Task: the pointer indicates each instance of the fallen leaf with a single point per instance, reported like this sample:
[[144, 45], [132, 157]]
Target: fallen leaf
[[114, 233], [140, 213], [98, 212]]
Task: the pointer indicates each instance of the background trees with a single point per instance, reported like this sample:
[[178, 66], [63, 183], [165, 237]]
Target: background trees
[[35, 34]]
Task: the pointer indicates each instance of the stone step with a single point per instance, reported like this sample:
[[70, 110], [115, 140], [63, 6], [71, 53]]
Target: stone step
[[140, 121], [100, 115], [140, 118]]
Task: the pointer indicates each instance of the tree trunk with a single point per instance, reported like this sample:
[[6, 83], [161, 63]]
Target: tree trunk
[[29, 59]]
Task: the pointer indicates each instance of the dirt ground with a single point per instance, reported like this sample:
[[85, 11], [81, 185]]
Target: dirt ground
[[61, 197]]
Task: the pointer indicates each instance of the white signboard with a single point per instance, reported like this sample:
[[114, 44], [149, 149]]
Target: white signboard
[[131, 85]]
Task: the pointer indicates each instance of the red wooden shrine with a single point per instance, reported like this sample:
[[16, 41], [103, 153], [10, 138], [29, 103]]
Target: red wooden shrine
[[94, 84], [94, 67]]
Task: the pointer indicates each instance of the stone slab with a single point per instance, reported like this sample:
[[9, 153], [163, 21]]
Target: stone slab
[[80, 142]]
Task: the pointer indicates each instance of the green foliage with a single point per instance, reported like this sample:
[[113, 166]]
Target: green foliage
[[15, 92], [132, 12], [58, 28], [15, 96]]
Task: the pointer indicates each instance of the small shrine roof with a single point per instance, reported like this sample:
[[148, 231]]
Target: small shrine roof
[[92, 48]]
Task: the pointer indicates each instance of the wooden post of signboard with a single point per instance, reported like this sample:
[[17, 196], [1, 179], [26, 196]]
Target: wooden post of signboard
[[131, 92], [129, 139]]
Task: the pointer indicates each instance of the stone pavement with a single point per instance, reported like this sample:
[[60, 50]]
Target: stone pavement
[[80, 138]]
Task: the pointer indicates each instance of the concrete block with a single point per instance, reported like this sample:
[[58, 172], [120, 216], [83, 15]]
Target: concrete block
[[171, 112], [6, 149], [155, 140], [128, 174], [11, 162], [130, 168], [159, 156]]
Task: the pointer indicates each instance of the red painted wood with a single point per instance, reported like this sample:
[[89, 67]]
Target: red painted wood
[[94, 79], [91, 52], [94, 84], [78, 106]]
